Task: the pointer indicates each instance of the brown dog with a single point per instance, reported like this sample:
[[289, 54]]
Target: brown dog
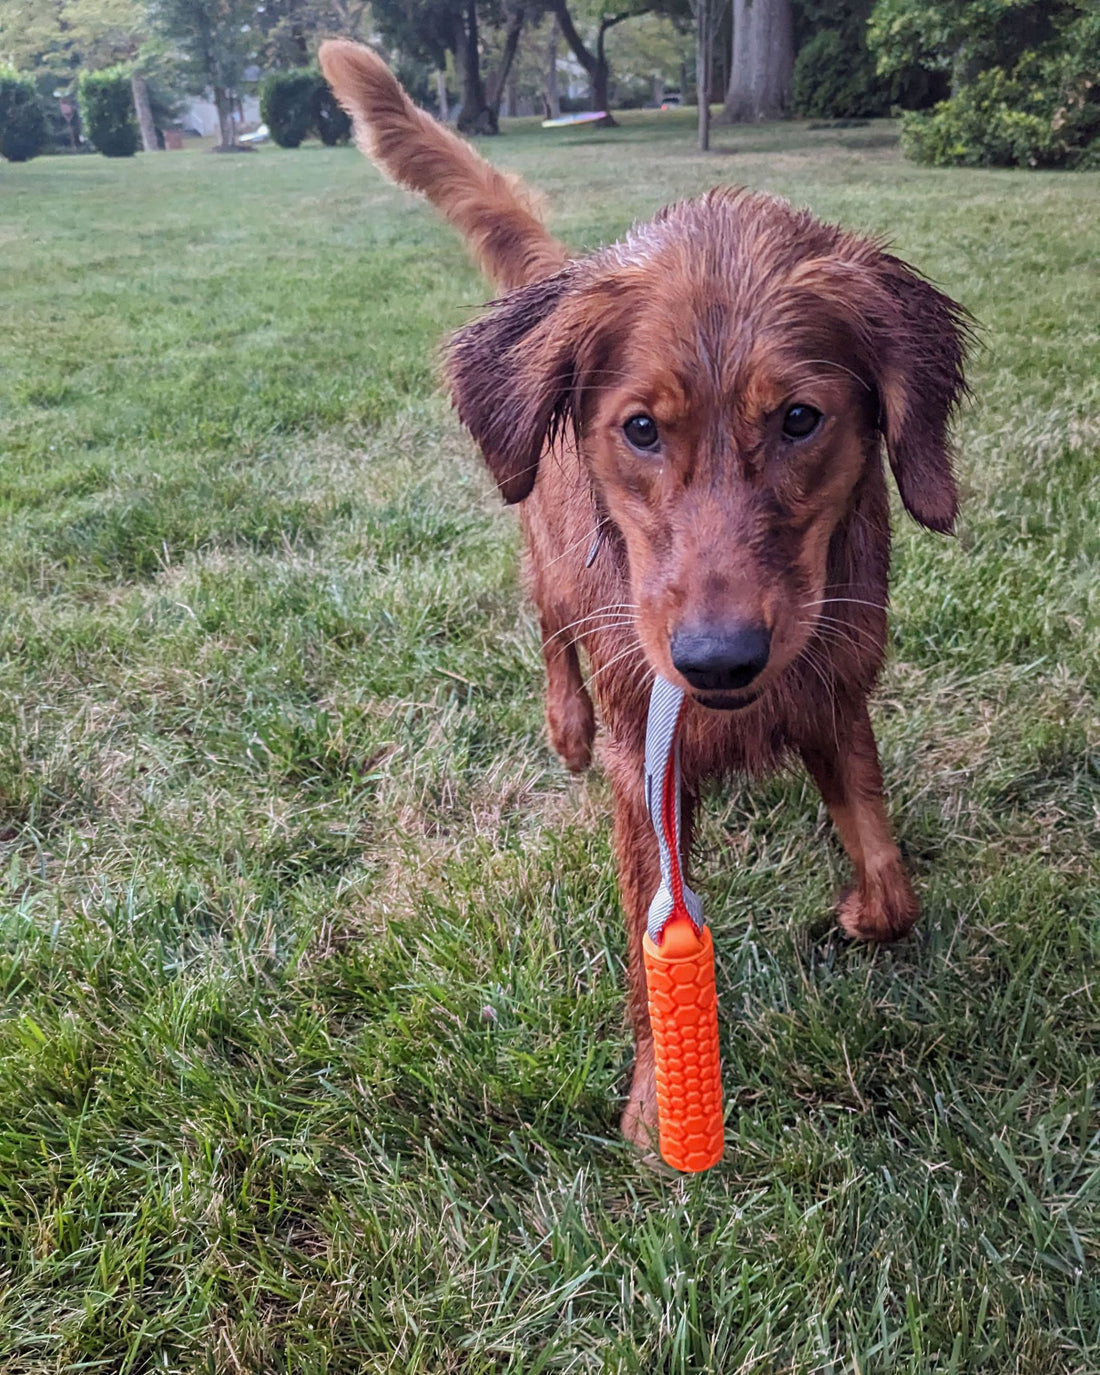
[[693, 422]]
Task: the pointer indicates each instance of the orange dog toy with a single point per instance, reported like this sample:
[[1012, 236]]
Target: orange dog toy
[[679, 967]]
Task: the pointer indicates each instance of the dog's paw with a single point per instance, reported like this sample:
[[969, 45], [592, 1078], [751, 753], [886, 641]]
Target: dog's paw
[[571, 722], [878, 910]]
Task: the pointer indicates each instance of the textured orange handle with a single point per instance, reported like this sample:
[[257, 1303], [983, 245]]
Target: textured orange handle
[[683, 1012]]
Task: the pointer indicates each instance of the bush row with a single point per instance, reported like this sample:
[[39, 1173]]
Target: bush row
[[23, 130], [293, 104], [297, 102], [1044, 113], [107, 112], [835, 77]]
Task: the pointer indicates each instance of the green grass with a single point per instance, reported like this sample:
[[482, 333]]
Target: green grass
[[312, 1046]]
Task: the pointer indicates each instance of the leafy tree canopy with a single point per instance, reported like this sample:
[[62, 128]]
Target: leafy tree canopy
[[72, 34], [290, 30], [427, 29], [965, 36]]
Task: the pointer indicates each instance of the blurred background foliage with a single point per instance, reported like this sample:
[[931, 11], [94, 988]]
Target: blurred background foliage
[[976, 82]]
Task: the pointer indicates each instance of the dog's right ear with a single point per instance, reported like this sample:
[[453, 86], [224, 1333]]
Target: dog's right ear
[[511, 376]]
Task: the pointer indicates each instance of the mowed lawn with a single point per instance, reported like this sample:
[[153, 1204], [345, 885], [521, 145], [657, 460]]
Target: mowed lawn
[[312, 1043]]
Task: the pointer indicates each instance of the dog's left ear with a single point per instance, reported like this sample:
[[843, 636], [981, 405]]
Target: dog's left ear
[[920, 378], [511, 379]]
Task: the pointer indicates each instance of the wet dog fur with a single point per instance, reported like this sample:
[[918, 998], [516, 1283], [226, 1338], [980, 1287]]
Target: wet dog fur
[[743, 562]]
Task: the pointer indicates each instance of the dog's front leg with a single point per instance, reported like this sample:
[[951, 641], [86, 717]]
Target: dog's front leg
[[639, 877], [570, 719], [880, 906]]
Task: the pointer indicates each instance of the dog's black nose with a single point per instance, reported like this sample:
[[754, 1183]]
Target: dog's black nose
[[720, 658]]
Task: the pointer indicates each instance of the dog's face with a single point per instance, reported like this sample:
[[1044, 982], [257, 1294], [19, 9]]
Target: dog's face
[[729, 372]]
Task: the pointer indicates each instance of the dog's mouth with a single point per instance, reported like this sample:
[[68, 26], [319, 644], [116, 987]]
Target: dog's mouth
[[726, 701]]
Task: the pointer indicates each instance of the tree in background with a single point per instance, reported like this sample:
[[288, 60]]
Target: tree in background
[[216, 40], [517, 13], [650, 54], [428, 30], [761, 61], [22, 120], [550, 93], [71, 34], [709, 16], [594, 60], [964, 38], [290, 30]]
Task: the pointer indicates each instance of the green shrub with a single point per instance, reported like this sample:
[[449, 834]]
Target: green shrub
[[298, 102], [1073, 78], [835, 78], [107, 112], [23, 130], [286, 105], [1039, 108], [329, 119], [1046, 114]]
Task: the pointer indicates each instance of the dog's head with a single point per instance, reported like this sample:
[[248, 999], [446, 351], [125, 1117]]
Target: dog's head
[[730, 371]]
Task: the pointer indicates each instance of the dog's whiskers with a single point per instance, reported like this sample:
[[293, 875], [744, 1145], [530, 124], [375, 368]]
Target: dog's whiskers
[[828, 627], [621, 612], [586, 538], [854, 601], [634, 648]]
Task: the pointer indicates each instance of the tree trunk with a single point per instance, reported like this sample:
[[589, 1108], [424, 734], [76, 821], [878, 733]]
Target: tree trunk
[[441, 95], [476, 116], [601, 73], [223, 103], [738, 102], [601, 82], [553, 99], [702, 70], [762, 61], [511, 43], [144, 112], [595, 64]]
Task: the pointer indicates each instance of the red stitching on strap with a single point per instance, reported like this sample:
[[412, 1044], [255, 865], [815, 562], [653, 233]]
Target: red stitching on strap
[[668, 825]]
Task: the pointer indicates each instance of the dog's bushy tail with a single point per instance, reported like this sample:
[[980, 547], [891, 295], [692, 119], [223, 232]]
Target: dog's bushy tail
[[491, 211]]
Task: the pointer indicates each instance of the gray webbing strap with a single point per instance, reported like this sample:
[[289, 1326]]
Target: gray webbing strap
[[661, 755]]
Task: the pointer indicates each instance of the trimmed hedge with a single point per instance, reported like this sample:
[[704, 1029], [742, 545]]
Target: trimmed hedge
[[23, 131], [285, 105], [1042, 111], [331, 122], [1044, 114], [298, 102], [107, 112], [835, 78]]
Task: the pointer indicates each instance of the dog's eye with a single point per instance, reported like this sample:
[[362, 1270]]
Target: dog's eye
[[641, 431], [800, 422]]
